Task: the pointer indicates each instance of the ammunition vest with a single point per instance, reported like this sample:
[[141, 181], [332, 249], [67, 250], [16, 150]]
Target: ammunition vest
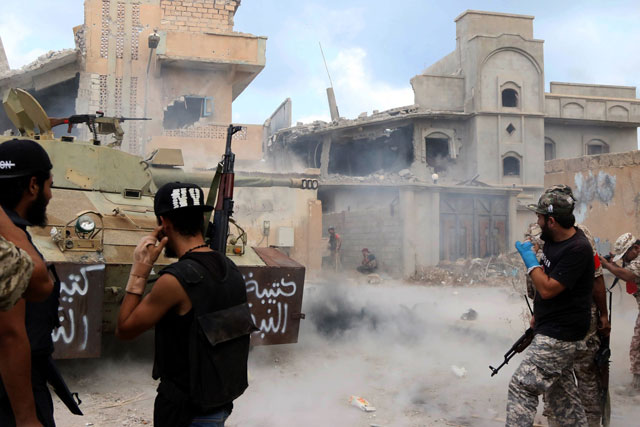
[[216, 333]]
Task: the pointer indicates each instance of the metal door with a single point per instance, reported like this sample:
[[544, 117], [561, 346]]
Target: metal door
[[472, 226]]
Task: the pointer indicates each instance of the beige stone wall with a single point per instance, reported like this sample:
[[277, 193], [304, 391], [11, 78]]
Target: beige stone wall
[[203, 145], [607, 189], [198, 15], [282, 207]]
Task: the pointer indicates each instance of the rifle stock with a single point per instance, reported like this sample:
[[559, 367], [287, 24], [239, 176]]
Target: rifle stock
[[60, 388]]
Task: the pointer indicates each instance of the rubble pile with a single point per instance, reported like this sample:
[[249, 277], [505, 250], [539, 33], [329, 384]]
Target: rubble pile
[[501, 270], [378, 177], [41, 61]]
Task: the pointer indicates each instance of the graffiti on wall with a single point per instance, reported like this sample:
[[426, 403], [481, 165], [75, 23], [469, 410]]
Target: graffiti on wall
[[81, 291], [589, 188], [275, 298]]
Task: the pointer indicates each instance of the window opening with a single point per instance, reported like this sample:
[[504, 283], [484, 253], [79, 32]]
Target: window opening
[[597, 148], [511, 128], [511, 166], [437, 153], [509, 98], [186, 111], [549, 151]]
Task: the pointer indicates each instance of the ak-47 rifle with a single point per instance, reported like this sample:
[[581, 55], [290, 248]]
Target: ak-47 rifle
[[602, 360], [71, 400], [53, 376], [218, 230], [97, 124], [518, 347]]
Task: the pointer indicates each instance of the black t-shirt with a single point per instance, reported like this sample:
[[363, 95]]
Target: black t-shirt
[[566, 316]]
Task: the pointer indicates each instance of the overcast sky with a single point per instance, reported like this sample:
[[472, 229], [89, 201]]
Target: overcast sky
[[373, 47]]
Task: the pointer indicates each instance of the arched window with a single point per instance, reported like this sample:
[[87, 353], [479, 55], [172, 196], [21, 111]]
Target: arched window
[[437, 150], [549, 149], [509, 98], [597, 146], [511, 166]]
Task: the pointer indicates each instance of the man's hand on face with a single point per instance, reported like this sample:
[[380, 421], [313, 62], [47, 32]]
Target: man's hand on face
[[149, 248]]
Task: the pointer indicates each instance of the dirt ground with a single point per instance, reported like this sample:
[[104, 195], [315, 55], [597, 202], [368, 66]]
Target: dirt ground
[[401, 346]]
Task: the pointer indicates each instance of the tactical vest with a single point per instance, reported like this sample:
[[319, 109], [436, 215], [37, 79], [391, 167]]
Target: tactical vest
[[218, 343]]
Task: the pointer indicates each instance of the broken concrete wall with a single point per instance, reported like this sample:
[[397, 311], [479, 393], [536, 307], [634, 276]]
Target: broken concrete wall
[[454, 165], [375, 229], [365, 216], [607, 189]]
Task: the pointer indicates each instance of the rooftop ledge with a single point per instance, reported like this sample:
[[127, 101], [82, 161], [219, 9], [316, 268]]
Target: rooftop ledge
[[212, 49]]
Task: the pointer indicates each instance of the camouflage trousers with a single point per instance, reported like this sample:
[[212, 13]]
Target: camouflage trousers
[[586, 374], [546, 368], [634, 350]]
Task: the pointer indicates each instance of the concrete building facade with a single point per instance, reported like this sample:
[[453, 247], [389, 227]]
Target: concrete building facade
[[483, 124], [185, 84]]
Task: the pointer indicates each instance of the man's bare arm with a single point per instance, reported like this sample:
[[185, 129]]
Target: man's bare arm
[[619, 272], [15, 365], [545, 285], [40, 284], [138, 314]]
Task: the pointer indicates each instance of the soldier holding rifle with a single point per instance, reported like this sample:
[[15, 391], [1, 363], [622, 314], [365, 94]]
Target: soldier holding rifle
[[627, 249], [562, 307]]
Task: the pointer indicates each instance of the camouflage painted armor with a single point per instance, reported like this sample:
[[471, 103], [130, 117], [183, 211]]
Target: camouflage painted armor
[[546, 369], [584, 367], [16, 267]]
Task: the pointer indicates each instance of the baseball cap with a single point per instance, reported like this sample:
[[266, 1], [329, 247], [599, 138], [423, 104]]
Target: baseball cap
[[22, 157], [179, 195], [622, 245], [557, 200]]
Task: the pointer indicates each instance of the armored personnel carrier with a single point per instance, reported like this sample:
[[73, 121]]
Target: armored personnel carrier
[[103, 204]]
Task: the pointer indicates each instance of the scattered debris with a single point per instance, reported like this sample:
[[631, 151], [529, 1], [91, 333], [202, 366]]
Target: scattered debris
[[470, 314], [501, 270], [361, 403], [459, 371], [374, 279]]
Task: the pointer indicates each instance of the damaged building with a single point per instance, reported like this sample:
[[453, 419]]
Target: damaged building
[[449, 177], [182, 64], [177, 62]]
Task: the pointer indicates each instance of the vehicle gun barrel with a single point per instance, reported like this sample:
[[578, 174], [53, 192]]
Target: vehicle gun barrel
[[162, 176]]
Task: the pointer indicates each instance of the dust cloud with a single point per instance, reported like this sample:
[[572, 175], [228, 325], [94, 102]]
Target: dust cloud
[[395, 344]]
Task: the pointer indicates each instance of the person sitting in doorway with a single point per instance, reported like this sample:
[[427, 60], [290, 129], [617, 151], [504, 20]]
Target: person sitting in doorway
[[369, 262]]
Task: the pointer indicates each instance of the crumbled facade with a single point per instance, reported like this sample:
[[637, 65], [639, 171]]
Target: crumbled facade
[[186, 84], [450, 176]]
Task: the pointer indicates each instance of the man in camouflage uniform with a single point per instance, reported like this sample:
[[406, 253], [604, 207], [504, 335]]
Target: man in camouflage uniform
[[15, 270], [563, 284], [627, 249], [584, 368]]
